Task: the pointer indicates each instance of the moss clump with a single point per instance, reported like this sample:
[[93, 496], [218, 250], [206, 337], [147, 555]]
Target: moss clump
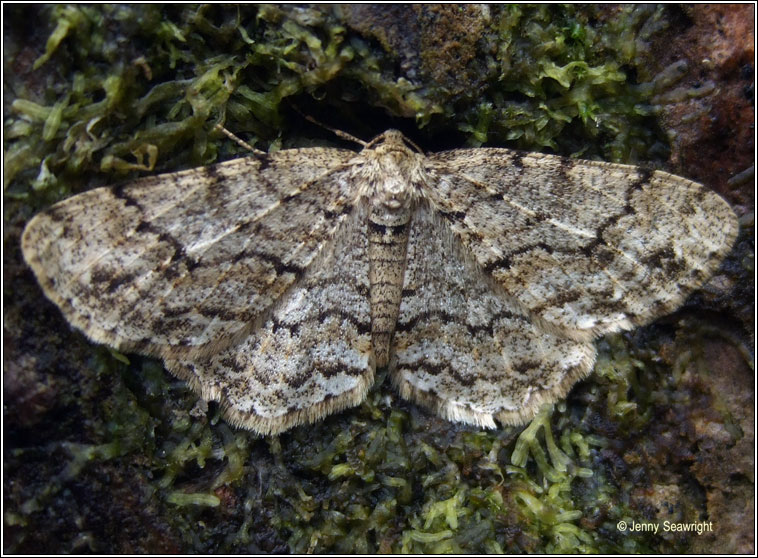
[[564, 84]]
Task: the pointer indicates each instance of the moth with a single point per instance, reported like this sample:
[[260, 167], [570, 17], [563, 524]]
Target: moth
[[278, 283]]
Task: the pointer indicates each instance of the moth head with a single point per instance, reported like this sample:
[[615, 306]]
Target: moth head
[[393, 141]]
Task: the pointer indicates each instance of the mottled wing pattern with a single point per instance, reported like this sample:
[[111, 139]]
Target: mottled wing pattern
[[313, 355], [272, 283], [585, 248], [462, 349], [189, 263]]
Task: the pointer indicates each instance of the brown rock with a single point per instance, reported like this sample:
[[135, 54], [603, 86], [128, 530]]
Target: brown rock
[[711, 124]]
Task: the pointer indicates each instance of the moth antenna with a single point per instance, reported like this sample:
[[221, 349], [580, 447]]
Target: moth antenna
[[335, 131], [237, 140]]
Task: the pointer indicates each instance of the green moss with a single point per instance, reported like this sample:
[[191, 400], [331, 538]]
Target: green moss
[[563, 83], [184, 499]]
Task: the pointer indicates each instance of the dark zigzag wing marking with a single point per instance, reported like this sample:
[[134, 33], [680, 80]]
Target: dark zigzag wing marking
[[312, 356], [585, 248], [123, 261], [462, 349]]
